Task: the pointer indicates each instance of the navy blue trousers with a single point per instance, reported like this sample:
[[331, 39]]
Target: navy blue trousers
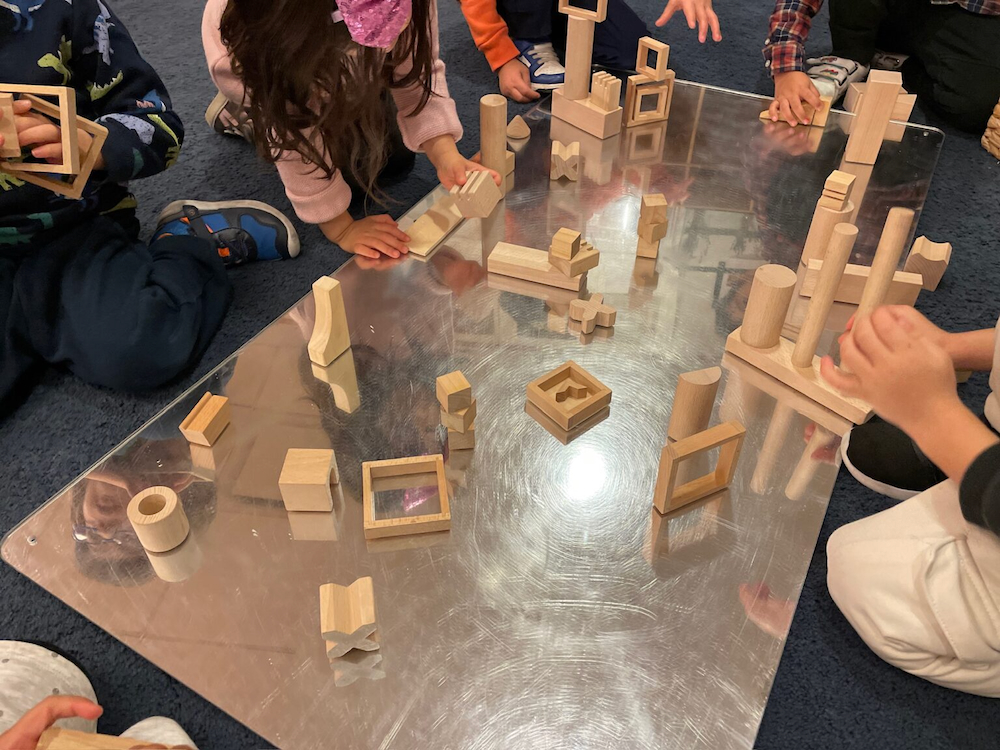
[[616, 41], [110, 309]]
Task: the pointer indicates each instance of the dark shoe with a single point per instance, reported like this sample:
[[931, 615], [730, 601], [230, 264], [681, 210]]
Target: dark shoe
[[242, 231], [884, 459], [228, 118]]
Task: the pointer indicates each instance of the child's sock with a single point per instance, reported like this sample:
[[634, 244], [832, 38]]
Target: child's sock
[[241, 231], [832, 75], [542, 62]]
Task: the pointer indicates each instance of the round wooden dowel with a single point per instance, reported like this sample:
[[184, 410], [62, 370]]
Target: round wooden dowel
[[693, 402], [821, 230], [493, 132], [770, 296], [886, 260], [158, 518]]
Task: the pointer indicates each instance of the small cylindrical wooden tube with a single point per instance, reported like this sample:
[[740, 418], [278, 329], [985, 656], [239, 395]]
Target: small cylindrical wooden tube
[[886, 261], [493, 132], [837, 255], [579, 54], [693, 402], [770, 296], [821, 230], [158, 518]]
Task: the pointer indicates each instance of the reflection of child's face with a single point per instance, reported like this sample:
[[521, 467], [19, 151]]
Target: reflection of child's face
[[105, 507]]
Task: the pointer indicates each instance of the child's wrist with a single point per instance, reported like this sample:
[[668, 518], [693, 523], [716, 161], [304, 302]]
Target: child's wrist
[[934, 416], [335, 229]]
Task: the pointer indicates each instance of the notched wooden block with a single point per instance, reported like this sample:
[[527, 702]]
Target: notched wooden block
[[330, 336], [347, 616], [305, 479], [592, 312], [552, 397], [478, 196], [930, 260], [207, 420], [583, 261], [565, 244], [565, 161]]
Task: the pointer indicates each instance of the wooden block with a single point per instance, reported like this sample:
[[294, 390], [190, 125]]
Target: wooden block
[[206, 420], [529, 264], [930, 260], [565, 244], [652, 232], [57, 738], [868, 130], [903, 291], [636, 94], [647, 249], [821, 229], [586, 115], [569, 395], [493, 132], [649, 46], [606, 91], [653, 208], [833, 203], [347, 616], [158, 518], [578, 58], [416, 467], [11, 148], [478, 196], [582, 262], [597, 15], [770, 295], [518, 129], [305, 479], [430, 229], [565, 161], [728, 437], [454, 392], [356, 665], [776, 361], [839, 183], [330, 336], [886, 260], [460, 441], [901, 111], [460, 420], [342, 377], [817, 117], [509, 163], [694, 400], [63, 113], [592, 312]]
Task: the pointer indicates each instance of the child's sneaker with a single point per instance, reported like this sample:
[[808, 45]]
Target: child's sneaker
[[227, 118], [542, 63], [884, 459], [888, 60], [242, 231], [832, 75]]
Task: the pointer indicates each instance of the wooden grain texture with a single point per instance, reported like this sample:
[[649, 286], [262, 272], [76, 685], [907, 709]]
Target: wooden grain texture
[[330, 336], [592, 312], [657, 71], [597, 14], [728, 437], [587, 116], [565, 244], [902, 291], [206, 421], [570, 412], [653, 208], [565, 161], [433, 226], [647, 249], [529, 264], [454, 392], [11, 148], [517, 129], [662, 90], [872, 119], [817, 117], [579, 55], [347, 616], [460, 419], [478, 196], [158, 518], [821, 230], [605, 91], [460, 441], [886, 260], [840, 183], [652, 231], [493, 132], [57, 738], [693, 402], [415, 466], [776, 361], [585, 260], [930, 260], [305, 479], [770, 295]]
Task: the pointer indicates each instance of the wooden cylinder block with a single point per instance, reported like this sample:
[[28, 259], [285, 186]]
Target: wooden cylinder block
[[770, 296], [579, 53], [887, 255], [493, 132], [693, 402], [821, 230], [837, 255], [158, 518]]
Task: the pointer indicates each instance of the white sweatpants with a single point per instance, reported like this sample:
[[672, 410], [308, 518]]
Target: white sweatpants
[[921, 587]]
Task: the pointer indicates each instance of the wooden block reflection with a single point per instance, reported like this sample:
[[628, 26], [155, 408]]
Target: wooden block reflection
[[564, 436], [342, 377]]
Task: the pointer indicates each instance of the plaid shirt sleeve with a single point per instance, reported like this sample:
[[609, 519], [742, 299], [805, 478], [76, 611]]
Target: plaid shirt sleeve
[[784, 48]]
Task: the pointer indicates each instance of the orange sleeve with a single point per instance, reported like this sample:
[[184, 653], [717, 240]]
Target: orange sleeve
[[489, 31]]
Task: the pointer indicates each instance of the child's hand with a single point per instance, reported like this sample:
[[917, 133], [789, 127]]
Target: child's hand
[[29, 728], [371, 237], [904, 376], [515, 82], [44, 137], [790, 90], [914, 322], [697, 12], [451, 166]]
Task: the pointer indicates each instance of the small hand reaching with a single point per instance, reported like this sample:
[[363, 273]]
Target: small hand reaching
[[515, 82], [373, 236], [790, 90], [698, 13]]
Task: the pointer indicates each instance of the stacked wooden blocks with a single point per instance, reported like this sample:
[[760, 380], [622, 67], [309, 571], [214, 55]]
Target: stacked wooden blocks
[[649, 92], [652, 225], [347, 617], [571, 255], [458, 410], [565, 161], [837, 190], [565, 266], [991, 138]]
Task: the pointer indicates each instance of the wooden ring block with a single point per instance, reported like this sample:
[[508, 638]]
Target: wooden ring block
[[158, 518]]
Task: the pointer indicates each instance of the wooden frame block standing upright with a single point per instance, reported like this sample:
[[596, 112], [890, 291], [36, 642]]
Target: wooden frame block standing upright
[[63, 113], [658, 70], [417, 466], [728, 437]]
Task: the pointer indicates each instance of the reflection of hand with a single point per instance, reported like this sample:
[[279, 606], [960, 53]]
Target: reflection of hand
[[381, 263], [24, 735], [515, 81], [793, 141], [458, 274], [772, 615], [827, 453]]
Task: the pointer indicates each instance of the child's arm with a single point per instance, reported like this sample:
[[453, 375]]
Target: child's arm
[[489, 31], [698, 13], [784, 56]]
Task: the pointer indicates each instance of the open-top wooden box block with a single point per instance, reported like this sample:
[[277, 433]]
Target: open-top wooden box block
[[401, 474], [569, 395]]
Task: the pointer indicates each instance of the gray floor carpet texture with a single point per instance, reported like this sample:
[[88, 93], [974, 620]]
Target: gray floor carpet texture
[[830, 691]]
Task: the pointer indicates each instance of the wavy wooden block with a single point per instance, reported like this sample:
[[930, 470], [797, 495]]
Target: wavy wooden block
[[930, 260], [330, 337], [347, 616]]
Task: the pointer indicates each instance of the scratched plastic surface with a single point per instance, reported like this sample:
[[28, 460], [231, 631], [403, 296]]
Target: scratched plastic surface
[[560, 610]]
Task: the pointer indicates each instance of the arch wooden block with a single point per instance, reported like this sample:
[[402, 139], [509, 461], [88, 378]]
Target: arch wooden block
[[886, 260], [770, 295], [158, 518], [694, 400], [305, 479], [330, 336], [206, 421], [930, 260], [347, 616], [728, 437]]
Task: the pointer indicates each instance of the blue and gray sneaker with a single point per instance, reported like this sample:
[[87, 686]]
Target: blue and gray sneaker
[[241, 231], [542, 63]]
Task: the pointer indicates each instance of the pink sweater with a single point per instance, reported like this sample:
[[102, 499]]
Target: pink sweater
[[316, 197]]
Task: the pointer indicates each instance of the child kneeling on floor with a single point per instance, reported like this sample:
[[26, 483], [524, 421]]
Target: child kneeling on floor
[[313, 78], [77, 288], [920, 582]]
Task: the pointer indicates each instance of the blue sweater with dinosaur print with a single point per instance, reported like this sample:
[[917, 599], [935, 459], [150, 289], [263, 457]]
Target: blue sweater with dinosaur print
[[82, 44]]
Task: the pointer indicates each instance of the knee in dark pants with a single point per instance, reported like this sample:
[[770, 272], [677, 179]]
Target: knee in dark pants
[[140, 364]]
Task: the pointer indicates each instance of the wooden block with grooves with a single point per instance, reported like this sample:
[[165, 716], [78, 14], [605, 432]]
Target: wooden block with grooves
[[582, 262], [207, 420], [530, 264], [586, 115], [565, 161], [461, 420], [836, 204], [330, 337], [903, 291], [347, 616], [454, 392], [478, 196], [305, 479], [930, 260]]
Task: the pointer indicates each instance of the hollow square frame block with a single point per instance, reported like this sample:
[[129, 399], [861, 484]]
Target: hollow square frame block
[[728, 437], [657, 72], [11, 148], [542, 393], [598, 15], [637, 90], [454, 392], [404, 467], [63, 112], [306, 476]]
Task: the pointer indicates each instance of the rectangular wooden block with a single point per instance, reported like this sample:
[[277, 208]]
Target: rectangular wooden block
[[478, 196], [529, 264], [835, 203], [652, 231], [653, 208], [305, 479], [586, 115], [868, 128], [404, 467], [569, 395], [565, 244], [839, 182], [647, 249], [207, 420], [649, 46], [903, 291], [460, 441], [777, 362], [57, 738], [11, 148], [454, 392], [900, 112], [728, 437], [428, 231], [583, 261], [461, 420]]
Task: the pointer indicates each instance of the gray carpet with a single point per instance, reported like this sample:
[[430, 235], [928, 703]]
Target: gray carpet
[[830, 692]]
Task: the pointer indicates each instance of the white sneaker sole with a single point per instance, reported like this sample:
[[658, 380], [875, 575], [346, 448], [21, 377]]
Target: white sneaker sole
[[206, 206], [546, 86], [896, 493]]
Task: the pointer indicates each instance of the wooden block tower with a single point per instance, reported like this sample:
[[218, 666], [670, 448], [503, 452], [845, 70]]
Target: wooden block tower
[[654, 80], [458, 410], [652, 225]]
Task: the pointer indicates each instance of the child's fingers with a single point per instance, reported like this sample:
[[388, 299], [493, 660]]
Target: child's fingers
[[384, 219], [26, 732], [21, 106], [868, 342], [48, 151], [713, 21], [786, 112], [893, 335], [391, 240], [811, 95], [39, 134], [852, 358], [849, 385], [702, 25], [774, 110], [690, 16], [667, 14], [800, 113], [366, 252]]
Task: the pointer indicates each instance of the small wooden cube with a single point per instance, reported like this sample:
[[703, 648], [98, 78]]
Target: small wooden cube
[[839, 182], [653, 208], [585, 260], [565, 244], [647, 249], [207, 420], [460, 441], [454, 392], [461, 420], [653, 231], [306, 477]]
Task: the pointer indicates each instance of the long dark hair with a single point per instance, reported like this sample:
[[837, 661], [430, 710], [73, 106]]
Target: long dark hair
[[304, 75]]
